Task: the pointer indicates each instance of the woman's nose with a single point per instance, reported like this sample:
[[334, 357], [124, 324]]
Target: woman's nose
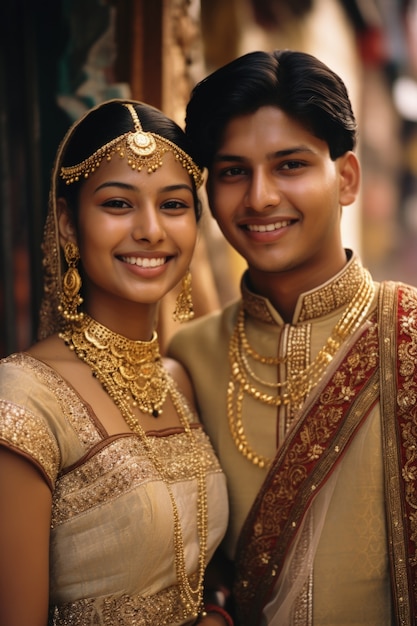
[[148, 225]]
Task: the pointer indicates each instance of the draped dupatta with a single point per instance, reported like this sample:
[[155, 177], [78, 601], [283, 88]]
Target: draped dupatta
[[378, 363]]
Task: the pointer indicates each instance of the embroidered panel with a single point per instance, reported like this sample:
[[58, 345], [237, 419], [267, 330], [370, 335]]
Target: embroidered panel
[[163, 608], [407, 416], [23, 430], [71, 406], [121, 465], [299, 470]]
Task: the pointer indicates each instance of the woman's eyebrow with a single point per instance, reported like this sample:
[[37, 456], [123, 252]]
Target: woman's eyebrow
[[130, 187]]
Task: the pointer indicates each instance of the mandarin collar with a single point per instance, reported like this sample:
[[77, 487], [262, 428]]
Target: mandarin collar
[[318, 302]]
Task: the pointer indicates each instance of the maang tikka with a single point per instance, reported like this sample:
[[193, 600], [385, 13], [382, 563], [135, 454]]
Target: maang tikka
[[140, 148], [184, 304], [70, 298]]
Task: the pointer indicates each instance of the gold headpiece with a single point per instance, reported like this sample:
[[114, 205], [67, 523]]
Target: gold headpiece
[[140, 148]]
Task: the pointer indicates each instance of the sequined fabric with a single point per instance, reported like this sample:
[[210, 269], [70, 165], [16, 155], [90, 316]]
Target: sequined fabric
[[112, 527]]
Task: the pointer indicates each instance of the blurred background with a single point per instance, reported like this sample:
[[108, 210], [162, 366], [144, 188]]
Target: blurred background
[[60, 57]]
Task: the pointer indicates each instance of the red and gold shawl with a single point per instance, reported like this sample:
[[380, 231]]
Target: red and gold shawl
[[379, 364]]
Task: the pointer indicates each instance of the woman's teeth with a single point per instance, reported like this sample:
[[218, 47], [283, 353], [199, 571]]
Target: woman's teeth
[[144, 261]]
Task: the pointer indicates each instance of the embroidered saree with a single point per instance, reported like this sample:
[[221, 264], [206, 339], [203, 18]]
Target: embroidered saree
[[99, 485]]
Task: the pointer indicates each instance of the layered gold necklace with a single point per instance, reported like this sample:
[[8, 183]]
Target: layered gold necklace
[[133, 375], [297, 386]]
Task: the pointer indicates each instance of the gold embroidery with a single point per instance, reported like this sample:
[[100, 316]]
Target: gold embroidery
[[317, 303], [407, 402], [120, 466], [301, 467], [24, 431], [163, 608], [69, 402], [294, 388]]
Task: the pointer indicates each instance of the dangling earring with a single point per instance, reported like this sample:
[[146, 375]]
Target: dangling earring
[[70, 298], [184, 303]]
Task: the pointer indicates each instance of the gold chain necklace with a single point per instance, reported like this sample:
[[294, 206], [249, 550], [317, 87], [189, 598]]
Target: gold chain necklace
[[121, 365], [297, 386], [133, 369]]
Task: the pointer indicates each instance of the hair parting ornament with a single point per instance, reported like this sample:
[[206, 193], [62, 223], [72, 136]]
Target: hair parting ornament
[[140, 148]]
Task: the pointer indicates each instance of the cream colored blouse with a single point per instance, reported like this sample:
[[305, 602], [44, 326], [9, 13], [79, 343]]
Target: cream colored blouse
[[111, 544]]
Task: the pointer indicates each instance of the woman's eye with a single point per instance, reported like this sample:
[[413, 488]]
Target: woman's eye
[[174, 204], [234, 171], [116, 203]]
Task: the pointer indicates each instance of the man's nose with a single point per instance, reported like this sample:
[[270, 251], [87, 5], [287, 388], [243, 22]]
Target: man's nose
[[263, 191]]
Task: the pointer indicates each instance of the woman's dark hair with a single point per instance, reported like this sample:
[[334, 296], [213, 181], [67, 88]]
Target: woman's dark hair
[[108, 121], [296, 82]]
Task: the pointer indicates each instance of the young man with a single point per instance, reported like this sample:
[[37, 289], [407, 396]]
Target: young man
[[307, 385]]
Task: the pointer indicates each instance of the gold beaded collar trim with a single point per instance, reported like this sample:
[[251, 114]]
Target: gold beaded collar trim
[[331, 296], [140, 148]]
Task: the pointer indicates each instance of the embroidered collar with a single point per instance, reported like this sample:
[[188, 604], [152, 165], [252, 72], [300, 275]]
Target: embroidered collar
[[318, 302]]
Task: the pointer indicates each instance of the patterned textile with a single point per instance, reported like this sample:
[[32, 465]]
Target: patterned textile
[[329, 537], [109, 502]]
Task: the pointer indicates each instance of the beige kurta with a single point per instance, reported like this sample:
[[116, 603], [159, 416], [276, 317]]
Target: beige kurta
[[344, 534], [112, 552]]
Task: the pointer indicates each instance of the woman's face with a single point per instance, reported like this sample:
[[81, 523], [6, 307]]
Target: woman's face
[[136, 233]]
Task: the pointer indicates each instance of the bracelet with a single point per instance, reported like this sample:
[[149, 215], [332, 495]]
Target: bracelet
[[214, 608]]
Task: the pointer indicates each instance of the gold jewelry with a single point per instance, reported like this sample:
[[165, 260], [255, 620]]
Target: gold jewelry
[[296, 387], [122, 365], [130, 371], [184, 304], [140, 148], [70, 297]]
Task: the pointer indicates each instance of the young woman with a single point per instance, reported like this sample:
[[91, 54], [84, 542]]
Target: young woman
[[112, 500]]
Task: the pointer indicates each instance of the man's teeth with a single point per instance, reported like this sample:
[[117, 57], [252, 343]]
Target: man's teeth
[[144, 261], [264, 228]]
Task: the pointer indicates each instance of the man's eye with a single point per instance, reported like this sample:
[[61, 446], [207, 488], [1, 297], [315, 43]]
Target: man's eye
[[292, 165]]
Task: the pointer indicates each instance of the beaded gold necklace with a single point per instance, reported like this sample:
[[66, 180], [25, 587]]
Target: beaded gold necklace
[[297, 386], [133, 375]]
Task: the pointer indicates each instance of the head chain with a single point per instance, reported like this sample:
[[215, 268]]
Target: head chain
[[141, 148]]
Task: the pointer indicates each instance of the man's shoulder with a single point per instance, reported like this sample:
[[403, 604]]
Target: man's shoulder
[[206, 330], [404, 289]]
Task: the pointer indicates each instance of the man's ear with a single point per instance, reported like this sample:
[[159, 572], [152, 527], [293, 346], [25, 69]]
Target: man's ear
[[66, 225], [350, 178]]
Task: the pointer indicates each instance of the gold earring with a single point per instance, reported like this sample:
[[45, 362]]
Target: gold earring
[[184, 304], [70, 298]]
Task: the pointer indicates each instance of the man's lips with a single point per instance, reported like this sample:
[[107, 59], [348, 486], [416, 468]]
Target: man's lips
[[144, 261], [267, 228]]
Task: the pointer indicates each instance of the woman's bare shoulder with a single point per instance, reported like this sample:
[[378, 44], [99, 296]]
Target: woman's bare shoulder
[[51, 350], [181, 377]]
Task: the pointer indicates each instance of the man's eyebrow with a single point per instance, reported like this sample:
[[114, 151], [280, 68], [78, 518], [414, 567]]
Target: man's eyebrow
[[227, 158]]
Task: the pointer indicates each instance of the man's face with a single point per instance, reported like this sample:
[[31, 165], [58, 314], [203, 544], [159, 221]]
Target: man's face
[[277, 195]]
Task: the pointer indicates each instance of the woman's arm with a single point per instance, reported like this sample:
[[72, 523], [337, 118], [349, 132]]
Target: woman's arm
[[25, 517]]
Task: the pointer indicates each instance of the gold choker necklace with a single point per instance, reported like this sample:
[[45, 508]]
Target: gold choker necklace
[[128, 370], [295, 388], [133, 374]]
